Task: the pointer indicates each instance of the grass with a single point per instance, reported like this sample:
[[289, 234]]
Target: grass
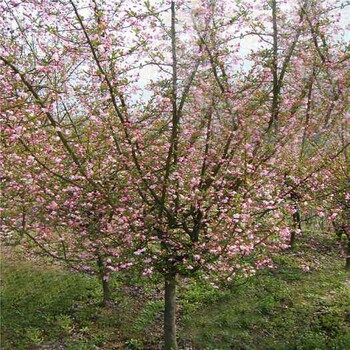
[[281, 309], [284, 308]]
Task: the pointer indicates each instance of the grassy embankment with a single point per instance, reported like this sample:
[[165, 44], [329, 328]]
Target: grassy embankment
[[281, 309]]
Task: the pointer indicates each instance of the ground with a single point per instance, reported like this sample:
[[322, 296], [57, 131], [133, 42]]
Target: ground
[[301, 304]]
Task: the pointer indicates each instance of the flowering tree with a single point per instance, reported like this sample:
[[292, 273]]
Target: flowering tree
[[332, 199], [181, 174], [318, 106], [64, 211], [339, 205]]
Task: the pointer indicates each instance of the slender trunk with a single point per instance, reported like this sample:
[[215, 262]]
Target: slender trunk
[[292, 239], [170, 312], [296, 225], [276, 86], [104, 281], [347, 263], [106, 292], [170, 278]]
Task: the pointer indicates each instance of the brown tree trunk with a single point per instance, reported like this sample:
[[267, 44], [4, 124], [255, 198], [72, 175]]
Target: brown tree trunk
[[296, 225], [106, 292], [276, 88], [170, 312], [292, 239], [104, 281], [347, 263]]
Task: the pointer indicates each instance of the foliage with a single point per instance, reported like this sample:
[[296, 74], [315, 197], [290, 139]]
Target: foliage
[[201, 171]]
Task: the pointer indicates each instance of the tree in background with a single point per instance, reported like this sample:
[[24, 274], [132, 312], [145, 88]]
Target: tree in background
[[303, 43]]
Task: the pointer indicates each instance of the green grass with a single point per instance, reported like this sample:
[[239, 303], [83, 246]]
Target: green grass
[[281, 309], [36, 303], [272, 312]]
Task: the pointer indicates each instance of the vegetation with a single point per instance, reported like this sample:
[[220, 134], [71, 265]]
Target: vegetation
[[292, 306], [157, 156]]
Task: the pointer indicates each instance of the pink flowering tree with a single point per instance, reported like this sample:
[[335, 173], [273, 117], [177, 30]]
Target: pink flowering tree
[[338, 204], [63, 184], [332, 199], [135, 134], [73, 215], [315, 103]]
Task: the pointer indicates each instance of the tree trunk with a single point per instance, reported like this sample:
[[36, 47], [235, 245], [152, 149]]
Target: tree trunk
[[296, 225], [276, 88], [292, 239], [296, 221], [104, 281], [106, 292], [347, 264], [170, 312]]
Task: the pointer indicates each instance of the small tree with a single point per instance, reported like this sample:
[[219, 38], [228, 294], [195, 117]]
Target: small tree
[[184, 180]]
